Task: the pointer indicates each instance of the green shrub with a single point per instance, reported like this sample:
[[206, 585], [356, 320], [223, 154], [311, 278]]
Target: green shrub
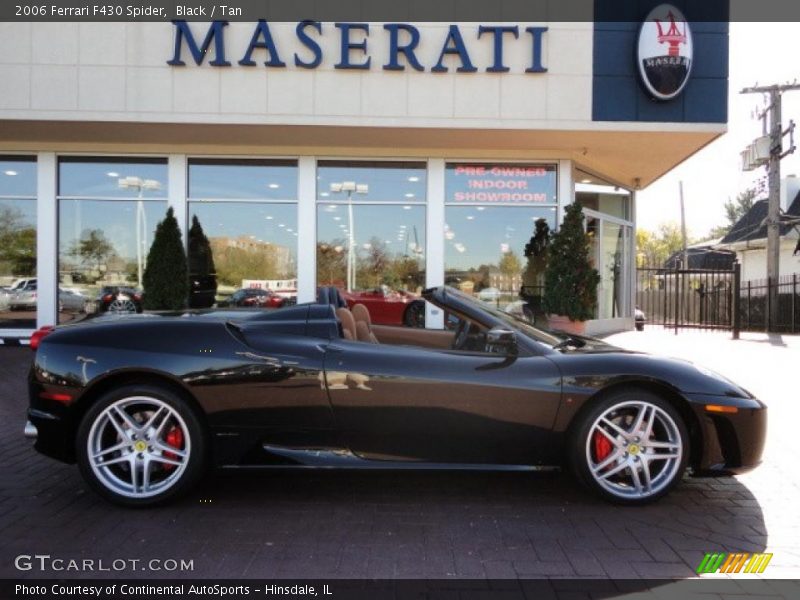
[[166, 278], [570, 286], [201, 258]]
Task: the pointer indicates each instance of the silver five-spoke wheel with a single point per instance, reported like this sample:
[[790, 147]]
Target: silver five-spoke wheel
[[630, 446], [634, 449], [138, 447]]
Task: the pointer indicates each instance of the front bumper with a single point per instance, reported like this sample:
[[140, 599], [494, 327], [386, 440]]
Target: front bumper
[[732, 443]]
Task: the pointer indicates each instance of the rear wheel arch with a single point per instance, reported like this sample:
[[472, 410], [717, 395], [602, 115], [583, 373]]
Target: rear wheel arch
[[145, 378], [661, 389]]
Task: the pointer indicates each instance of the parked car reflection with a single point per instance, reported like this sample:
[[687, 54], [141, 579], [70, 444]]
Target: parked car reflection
[[255, 297], [116, 300]]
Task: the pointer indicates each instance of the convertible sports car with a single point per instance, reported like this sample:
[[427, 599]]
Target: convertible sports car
[[144, 404]]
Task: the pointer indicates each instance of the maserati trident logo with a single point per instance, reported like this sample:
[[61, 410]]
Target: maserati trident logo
[[665, 52]]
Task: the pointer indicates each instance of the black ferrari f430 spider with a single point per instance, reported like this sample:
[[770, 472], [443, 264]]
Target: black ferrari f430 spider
[[145, 404]]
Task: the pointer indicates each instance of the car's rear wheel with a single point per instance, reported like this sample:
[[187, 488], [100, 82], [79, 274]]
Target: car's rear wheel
[[631, 447], [141, 445], [122, 306]]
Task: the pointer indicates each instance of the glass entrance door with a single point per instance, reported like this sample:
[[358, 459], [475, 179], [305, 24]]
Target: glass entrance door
[[610, 241]]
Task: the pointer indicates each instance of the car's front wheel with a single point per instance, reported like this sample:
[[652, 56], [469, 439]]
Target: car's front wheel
[[631, 447], [141, 445]]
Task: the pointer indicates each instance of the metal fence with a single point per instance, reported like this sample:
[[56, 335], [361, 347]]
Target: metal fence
[[754, 306], [687, 298]]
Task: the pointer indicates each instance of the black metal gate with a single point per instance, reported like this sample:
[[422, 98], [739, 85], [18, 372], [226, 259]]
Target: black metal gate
[[689, 298]]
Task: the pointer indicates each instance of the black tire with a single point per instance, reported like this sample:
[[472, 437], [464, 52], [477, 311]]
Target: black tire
[[579, 450], [414, 316], [196, 445]]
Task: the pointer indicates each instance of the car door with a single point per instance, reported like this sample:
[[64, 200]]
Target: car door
[[419, 404], [274, 389]]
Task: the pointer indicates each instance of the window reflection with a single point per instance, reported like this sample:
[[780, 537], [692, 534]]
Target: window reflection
[[366, 247], [112, 178], [18, 243], [251, 244], [108, 210], [485, 248], [243, 179], [102, 244], [371, 236], [379, 181]]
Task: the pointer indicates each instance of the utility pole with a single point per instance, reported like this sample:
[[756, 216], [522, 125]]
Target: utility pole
[[776, 153], [683, 228]]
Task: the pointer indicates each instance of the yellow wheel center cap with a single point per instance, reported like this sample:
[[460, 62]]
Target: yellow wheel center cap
[[633, 449], [140, 446]]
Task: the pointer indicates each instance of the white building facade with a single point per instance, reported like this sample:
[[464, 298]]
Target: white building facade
[[458, 136]]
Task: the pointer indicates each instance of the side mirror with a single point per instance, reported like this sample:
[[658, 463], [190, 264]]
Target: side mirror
[[502, 341]]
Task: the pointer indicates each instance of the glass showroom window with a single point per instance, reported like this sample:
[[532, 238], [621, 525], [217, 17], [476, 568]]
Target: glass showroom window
[[491, 214], [608, 211], [371, 234], [242, 232], [17, 242], [108, 209]]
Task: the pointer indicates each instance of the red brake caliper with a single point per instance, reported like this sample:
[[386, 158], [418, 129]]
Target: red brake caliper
[[602, 447], [173, 438]]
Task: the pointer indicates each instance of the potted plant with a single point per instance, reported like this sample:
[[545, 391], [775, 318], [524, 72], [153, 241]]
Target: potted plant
[[570, 287]]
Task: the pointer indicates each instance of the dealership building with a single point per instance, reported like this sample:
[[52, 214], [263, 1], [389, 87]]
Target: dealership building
[[424, 151]]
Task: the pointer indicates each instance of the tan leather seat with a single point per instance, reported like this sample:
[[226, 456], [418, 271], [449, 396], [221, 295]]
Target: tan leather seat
[[348, 323], [363, 324]]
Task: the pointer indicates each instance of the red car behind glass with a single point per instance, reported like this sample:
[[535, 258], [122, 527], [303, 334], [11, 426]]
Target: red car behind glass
[[389, 307], [255, 297]]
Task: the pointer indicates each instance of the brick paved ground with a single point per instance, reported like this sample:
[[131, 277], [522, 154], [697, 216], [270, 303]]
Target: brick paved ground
[[466, 525]]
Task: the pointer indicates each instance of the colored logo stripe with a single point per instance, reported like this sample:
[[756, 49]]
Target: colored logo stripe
[[734, 562], [758, 563]]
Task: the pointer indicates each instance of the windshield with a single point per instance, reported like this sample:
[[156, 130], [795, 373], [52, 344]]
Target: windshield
[[546, 337]]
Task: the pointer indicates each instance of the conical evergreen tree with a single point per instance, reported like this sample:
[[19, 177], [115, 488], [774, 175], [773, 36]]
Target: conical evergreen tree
[[201, 259], [536, 253], [166, 278], [570, 287]]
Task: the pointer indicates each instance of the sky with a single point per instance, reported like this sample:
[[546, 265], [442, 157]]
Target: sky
[[760, 53]]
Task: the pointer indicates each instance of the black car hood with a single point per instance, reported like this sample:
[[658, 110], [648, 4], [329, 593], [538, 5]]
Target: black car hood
[[587, 345]]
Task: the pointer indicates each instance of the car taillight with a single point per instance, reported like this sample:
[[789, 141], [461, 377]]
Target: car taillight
[[137, 297], [36, 336], [108, 297]]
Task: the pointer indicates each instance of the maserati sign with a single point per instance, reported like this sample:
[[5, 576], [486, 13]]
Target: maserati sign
[[400, 39], [665, 52]]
